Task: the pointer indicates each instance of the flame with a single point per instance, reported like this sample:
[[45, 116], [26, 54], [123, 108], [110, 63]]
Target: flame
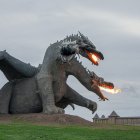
[[93, 58], [112, 91]]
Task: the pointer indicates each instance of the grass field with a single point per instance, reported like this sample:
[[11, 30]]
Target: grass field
[[23, 131]]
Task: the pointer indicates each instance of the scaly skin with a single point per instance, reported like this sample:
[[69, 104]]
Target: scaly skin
[[54, 89], [59, 62]]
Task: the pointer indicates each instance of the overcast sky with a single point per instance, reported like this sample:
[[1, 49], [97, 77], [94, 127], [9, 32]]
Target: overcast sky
[[27, 27]]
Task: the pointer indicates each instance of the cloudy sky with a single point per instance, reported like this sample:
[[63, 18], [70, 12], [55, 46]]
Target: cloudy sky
[[27, 27]]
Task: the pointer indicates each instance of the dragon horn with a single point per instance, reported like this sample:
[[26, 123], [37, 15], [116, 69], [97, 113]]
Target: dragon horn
[[86, 39], [82, 36]]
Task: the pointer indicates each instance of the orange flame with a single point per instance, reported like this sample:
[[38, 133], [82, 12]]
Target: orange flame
[[93, 58], [112, 91]]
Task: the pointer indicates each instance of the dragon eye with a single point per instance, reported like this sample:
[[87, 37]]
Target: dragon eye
[[67, 51]]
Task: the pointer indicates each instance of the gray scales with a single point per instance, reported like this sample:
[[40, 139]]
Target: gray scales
[[44, 89]]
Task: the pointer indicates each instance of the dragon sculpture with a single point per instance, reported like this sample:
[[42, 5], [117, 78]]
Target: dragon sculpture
[[44, 89]]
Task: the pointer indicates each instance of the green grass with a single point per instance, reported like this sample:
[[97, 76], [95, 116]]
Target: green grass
[[34, 132]]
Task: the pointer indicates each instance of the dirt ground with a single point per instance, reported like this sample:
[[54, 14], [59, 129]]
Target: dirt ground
[[44, 119]]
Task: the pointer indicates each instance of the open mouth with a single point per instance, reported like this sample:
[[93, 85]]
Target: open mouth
[[109, 87], [112, 91], [93, 57]]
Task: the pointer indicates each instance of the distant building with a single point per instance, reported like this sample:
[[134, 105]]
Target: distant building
[[114, 118], [113, 114], [103, 117], [96, 116]]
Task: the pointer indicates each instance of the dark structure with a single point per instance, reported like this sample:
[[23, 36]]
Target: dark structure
[[114, 118], [44, 89], [96, 117], [113, 114], [103, 116]]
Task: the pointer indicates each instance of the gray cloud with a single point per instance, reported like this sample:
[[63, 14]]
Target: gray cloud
[[29, 26]]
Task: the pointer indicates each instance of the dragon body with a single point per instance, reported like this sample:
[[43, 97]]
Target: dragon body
[[44, 88]]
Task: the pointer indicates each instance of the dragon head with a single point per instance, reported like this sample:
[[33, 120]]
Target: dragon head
[[88, 50], [80, 44]]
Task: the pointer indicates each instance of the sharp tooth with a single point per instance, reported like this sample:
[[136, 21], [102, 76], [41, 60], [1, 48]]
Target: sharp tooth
[[75, 57], [78, 55], [88, 71], [64, 58]]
